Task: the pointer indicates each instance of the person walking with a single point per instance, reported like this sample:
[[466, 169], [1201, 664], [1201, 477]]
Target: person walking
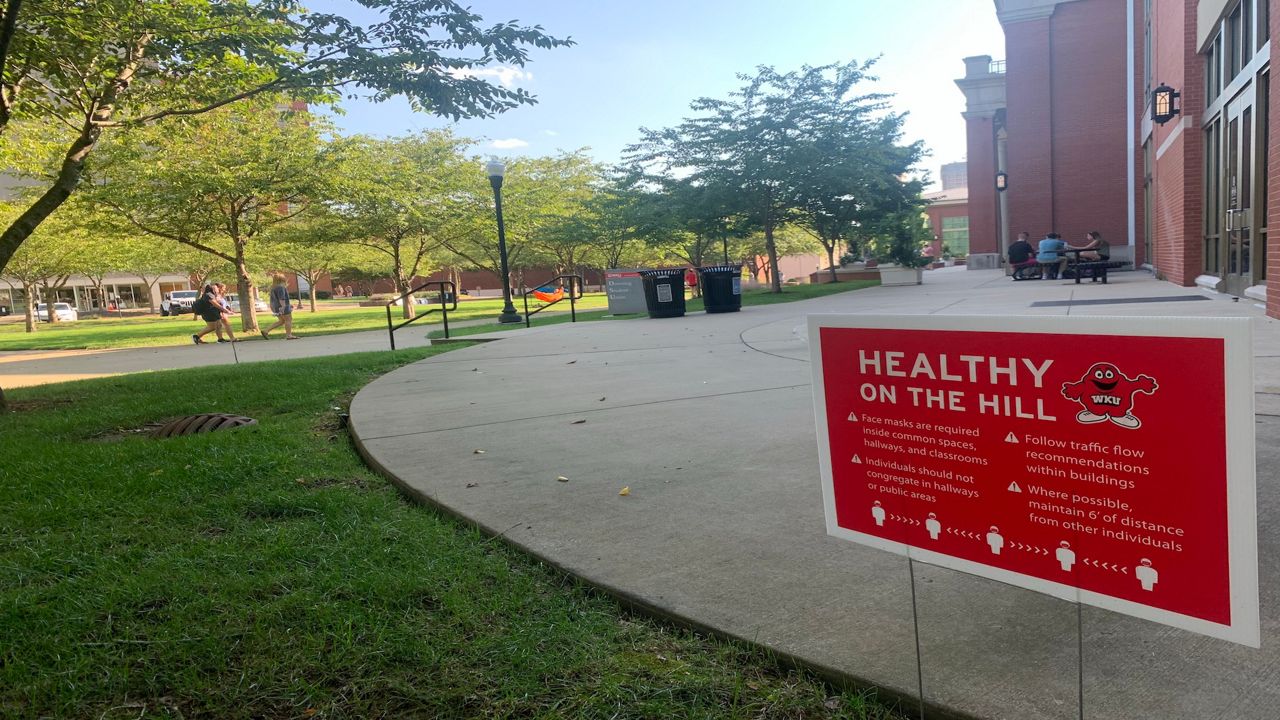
[[282, 307], [209, 308], [225, 303]]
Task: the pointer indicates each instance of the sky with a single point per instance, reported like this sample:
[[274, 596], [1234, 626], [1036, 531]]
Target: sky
[[640, 63]]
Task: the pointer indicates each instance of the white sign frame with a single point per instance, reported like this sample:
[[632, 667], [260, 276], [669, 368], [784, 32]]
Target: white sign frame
[[1241, 459]]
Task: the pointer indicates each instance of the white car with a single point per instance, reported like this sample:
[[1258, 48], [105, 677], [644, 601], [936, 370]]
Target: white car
[[178, 302], [258, 305], [63, 311]]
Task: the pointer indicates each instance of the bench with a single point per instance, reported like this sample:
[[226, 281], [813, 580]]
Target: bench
[[1035, 272], [1095, 268]]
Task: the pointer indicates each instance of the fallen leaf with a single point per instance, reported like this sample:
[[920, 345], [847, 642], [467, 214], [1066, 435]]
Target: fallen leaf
[[577, 422], [477, 452], [625, 491], [832, 703], [601, 399], [471, 485], [571, 362], [562, 478]]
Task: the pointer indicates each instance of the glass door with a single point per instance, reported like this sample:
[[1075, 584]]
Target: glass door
[[1238, 181]]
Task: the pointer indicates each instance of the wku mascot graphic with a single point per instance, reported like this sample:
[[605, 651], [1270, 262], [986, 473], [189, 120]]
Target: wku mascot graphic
[[1105, 393]]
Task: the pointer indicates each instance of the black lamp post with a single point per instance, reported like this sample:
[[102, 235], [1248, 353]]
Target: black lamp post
[[496, 170], [1164, 104]]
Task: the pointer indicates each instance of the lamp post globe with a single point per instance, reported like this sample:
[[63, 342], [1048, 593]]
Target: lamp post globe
[[496, 170]]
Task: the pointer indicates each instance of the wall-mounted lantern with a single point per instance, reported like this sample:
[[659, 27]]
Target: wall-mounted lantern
[[1002, 181], [1164, 104]]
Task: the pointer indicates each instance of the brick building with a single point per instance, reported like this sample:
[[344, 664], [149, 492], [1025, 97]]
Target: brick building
[[1066, 124]]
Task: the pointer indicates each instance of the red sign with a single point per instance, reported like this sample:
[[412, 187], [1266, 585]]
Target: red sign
[[1101, 460]]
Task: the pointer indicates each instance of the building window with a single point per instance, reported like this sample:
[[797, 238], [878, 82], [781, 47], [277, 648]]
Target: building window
[[955, 235], [1264, 22]]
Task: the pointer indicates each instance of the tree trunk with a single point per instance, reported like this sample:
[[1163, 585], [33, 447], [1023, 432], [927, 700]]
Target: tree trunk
[[4, 404], [772, 248], [248, 313], [831, 261], [50, 295], [312, 293], [29, 290], [403, 286]]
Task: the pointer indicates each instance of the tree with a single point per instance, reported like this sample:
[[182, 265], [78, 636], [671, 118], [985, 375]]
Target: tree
[[761, 150], [108, 64], [311, 248], [541, 200], [43, 267], [405, 198], [552, 205], [217, 182]]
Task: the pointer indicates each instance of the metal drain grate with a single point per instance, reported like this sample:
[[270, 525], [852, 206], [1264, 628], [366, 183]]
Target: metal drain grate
[[194, 424], [1119, 301]]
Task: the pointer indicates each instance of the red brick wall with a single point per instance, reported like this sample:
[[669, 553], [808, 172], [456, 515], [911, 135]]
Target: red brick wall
[[1177, 177], [984, 233], [1068, 142], [1090, 123], [1273, 187], [1030, 108]]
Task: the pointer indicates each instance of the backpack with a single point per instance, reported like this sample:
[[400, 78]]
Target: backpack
[[201, 305]]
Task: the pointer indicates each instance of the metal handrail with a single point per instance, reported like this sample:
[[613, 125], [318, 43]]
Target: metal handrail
[[444, 308], [573, 298]]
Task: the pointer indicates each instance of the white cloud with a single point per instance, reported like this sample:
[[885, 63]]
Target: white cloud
[[509, 144], [507, 75], [552, 133]]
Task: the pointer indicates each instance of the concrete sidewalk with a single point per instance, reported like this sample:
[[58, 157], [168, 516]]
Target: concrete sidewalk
[[23, 368], [709, 421]]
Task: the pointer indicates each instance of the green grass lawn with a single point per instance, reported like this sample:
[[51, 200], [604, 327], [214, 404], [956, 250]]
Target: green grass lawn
[[266, 573], [759, 296], [106, 333]]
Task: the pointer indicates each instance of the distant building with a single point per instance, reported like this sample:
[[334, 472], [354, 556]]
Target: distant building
[[954, 176]]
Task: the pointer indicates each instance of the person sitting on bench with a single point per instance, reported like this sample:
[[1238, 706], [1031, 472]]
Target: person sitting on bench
[[1096, 249], [1050, 251], [1021, 258]]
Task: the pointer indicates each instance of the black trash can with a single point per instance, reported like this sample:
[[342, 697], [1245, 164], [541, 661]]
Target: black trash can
[[664, 292], [721, 288]]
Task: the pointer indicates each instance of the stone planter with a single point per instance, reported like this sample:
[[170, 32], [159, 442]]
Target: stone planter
[[897, 275]]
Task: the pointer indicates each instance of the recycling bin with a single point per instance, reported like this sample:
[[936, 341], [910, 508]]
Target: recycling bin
[[721, 288], [664, 292]]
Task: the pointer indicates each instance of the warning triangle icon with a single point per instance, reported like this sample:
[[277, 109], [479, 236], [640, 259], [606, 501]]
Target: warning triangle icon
[[1011, 438], [857, 459], [853, 417], [1013, 487]]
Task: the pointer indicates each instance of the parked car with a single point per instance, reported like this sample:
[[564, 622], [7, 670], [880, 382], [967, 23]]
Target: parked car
[[178, 302], [64, 311], [260, 305]]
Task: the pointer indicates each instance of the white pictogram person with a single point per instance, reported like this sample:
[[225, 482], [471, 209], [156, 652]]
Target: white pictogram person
[[995, 540], [1146, 575], [1066, 556], [933, 526], [877, 512]]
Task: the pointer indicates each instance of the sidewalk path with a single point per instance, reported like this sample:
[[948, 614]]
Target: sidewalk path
[[23, 368], [709, 421]]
